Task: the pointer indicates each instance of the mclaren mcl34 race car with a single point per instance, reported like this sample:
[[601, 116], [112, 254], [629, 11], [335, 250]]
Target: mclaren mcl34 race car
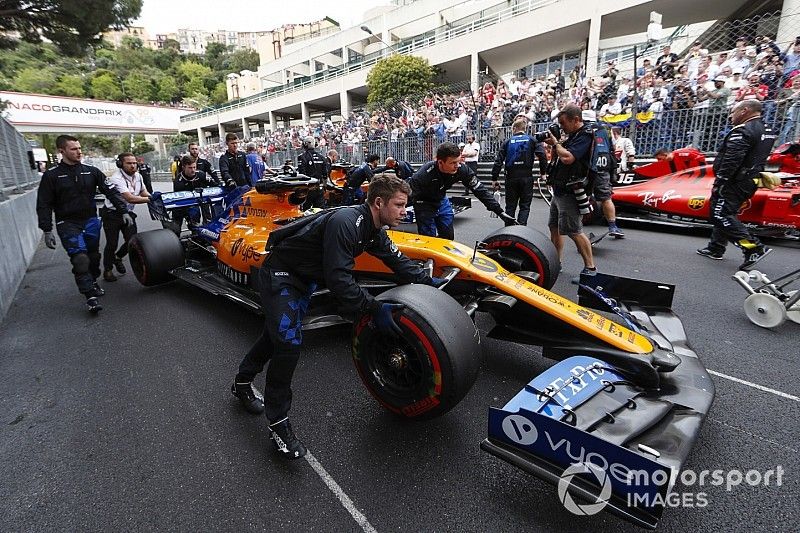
[[682, 199], [623, 404]]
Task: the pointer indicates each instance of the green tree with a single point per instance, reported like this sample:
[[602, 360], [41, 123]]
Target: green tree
[[35, 80], [241, 60], [139, 87], [142, 147], [194, 87], [105, 87], [134, 43], [167, 89], [214, 54], [172, 44], [71, 24], [220, 93], [398, 76], [100, 144], [70, 85]]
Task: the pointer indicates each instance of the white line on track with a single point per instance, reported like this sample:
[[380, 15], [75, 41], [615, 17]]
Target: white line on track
[[755, 386], [347, 503]]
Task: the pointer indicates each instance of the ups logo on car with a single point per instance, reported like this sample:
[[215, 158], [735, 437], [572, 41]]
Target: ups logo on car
[[697, 202]]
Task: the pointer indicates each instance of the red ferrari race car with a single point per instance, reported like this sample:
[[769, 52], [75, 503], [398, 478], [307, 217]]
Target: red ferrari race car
[[682, 199]]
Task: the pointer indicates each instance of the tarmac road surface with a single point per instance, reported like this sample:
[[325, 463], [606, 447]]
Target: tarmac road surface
[[125, 421]]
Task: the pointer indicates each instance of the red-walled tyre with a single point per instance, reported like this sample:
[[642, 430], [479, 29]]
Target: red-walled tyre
[[524, 248], [153, 254], [428, 369]]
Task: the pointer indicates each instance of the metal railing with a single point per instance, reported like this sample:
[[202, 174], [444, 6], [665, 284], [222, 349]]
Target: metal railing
[[16, 173], [430, 38], [702, 128]]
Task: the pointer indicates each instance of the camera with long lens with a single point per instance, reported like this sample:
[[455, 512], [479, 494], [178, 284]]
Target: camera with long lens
[[553, 128]]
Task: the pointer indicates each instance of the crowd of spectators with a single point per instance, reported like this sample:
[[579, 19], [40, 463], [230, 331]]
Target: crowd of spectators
[[702, 84]]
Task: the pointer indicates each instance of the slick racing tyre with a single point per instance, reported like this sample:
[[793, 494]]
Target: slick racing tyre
[[521, 248], [427, 370], [153, 254]]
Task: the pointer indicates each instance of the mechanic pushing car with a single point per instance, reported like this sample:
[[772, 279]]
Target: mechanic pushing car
[[429, 185], [312, 164], [741, 158], [319, 250], [364, 172], [68, 189]]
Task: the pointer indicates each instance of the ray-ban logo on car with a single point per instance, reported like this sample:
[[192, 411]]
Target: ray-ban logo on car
[[697, 202]]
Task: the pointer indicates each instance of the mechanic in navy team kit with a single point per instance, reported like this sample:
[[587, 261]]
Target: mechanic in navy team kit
[[190, 178], [356, 177], [68, 189], [202, 164], [402, 169], [319, 250], [517, 155], [233, 167], [429, 185], [312, 164], [740, 159]]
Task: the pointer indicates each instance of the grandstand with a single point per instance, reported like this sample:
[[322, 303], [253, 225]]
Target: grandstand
[[678, 100]]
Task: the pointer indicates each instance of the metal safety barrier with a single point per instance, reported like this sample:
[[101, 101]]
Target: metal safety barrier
[[17, 171]]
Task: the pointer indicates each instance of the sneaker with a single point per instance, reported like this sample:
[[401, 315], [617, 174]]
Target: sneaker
[[97, 290], [120, 266], [586, 271], [615, 232], [754, 256], [711, 254], [285, 440], [93, 304], [251, 398], [108, 275]]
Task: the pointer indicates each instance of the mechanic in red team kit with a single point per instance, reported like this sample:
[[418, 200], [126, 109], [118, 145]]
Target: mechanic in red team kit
[[68, 189], [319, 250], [740, 159]]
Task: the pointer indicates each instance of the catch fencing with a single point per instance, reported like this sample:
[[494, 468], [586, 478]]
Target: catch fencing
[[17, 167]]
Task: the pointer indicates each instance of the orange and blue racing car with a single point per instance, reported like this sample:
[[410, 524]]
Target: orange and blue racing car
[[626, 397]]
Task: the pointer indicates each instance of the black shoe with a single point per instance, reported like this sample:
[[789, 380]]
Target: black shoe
[[285, 440], [711, 254], [108, 275], [251, 399], [97, 290], [120, 266], [93, 304], [754, 256]]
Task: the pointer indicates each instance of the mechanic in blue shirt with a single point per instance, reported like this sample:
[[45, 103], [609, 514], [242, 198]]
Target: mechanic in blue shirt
[[68, 189], [429, 185], [568, 175], [319, 250], [517, 156], [256, 164]]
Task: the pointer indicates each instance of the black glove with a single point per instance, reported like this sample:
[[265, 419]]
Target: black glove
[[230, 183], [507, 219], [50, 240], [153, 197], [383, 321]]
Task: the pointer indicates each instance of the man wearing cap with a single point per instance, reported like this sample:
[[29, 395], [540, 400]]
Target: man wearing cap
[[718, 103], [611, 108]]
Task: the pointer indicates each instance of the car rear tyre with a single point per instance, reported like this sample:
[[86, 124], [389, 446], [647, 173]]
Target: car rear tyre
[[523, 248], [430, 367], [153, 254]]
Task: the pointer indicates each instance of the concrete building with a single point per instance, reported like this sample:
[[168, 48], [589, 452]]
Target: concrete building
[[140, 32], [328, 73]]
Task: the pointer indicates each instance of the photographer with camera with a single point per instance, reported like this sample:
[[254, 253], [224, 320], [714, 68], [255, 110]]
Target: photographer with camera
[[568, 174], [517, 155]]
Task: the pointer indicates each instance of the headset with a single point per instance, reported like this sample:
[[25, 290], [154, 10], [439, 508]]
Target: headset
[[119, 161]]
